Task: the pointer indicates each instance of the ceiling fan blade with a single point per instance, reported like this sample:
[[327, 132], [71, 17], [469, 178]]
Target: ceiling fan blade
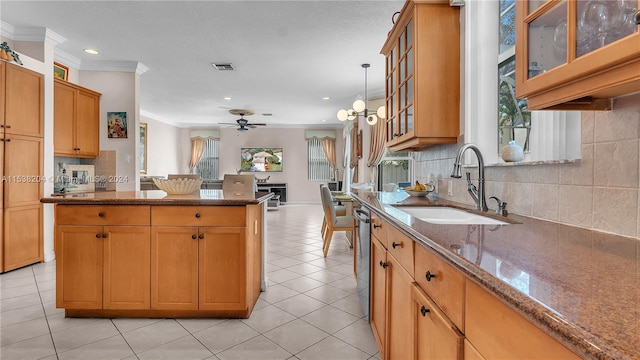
[[228, 124], [257, 124]]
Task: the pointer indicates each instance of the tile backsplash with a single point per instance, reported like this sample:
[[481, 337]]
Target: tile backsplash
[[600, 191]]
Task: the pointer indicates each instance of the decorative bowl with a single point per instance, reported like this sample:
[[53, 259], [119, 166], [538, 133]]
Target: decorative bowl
[[178, 186], [418, 192]]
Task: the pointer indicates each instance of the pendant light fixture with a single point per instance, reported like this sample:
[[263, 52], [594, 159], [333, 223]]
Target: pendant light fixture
[[360, 106]]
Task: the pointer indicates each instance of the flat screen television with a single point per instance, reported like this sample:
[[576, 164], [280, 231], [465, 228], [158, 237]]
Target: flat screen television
[[261, 159]]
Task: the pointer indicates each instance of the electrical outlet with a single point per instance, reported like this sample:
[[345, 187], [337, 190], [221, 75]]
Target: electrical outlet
[[450, 188]]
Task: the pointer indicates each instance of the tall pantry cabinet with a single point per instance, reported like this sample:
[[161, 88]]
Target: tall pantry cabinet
[[21, 164]]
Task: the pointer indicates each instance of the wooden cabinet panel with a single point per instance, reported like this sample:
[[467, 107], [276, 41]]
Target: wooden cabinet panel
[[436, 336], [378, 299], [401, 247], [470, 352], [223, 268], [23, 166], [498, 332], [174, 268], [79, 256], [23, 104], [379, 229], [76, 119], [443, 283], [22, 236], [400, 312], [127, 266], [225, 216], [103, 214], [2, 90]]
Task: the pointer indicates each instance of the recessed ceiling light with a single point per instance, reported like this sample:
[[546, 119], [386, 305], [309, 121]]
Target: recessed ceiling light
[[91, 51], [227, 98], [324, 120], [326, 98]]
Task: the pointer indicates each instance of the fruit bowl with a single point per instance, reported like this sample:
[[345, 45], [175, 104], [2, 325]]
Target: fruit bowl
[[178, 186], [418, 192]]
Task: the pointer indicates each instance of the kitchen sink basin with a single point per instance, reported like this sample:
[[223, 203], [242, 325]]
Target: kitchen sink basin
[[447, 215]]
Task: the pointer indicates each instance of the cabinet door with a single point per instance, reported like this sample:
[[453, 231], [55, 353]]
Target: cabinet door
[[87, 121], [223, 268], [174, 268], [400, 317], [2, 85], [23, 170], [436, 336], [22, 236], [127, 265], [24, 101], [64, 131], [378, 298], [79, 255]]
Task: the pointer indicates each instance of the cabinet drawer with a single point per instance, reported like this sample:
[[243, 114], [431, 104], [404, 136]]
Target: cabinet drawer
[[379, 228], [498, 332], [102, 215], [442, 282], [401, 247], [198, 216]]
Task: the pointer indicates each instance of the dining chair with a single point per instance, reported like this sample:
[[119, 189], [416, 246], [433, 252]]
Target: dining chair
[[341, 210], [333, 222]]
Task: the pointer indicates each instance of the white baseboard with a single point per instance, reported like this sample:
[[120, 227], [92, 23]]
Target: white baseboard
[[49, 256]]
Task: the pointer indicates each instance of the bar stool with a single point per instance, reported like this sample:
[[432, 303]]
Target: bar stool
[[333, 222]]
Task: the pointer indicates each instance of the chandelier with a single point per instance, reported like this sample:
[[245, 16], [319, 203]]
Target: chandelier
[[360, 107]]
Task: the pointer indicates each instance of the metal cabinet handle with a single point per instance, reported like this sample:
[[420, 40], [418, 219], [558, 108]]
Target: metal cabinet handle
[[424, 310], [97, 236], [101, 214], [194, 236], [7, 126], [104, 235], [395, 244], [375, 226], [76, 149], [197, 215], [7, 140], [429, 275], [383, 264], [201, 236]]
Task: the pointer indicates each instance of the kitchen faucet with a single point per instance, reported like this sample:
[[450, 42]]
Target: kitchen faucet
[[476, 193]]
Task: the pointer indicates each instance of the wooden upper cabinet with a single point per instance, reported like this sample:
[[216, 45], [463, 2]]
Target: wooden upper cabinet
[[576, 55], [22, 101], [423, 76], [76, 120]]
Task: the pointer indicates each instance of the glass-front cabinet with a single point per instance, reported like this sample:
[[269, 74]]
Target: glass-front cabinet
[[423, 76], [576, 54]]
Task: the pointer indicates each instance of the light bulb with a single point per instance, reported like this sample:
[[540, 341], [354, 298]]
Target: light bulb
[[359, 106], [352, 115], [372, 119], [342, 115], [382, 112]]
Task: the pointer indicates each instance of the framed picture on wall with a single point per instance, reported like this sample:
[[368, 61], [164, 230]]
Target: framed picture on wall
[[60, 71], [143, 148], [117, 124]]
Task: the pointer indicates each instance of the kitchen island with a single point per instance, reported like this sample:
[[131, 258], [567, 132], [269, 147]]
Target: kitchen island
[[526, 289], [149, 254]]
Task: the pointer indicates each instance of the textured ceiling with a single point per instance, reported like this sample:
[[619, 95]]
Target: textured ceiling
[[288, 55]]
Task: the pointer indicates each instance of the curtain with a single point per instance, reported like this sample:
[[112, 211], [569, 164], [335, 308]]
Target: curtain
[[353, 163], [329, 147], [376, 144], [197, 149], [346, 135]]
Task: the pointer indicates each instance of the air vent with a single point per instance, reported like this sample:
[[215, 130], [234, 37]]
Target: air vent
[[223, 66], [267, 114]]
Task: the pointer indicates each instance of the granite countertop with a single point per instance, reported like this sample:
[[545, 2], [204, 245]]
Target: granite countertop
[[580, 286], [159, 197]]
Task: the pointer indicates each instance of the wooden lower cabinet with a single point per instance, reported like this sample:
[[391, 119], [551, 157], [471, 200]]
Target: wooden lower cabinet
[[498, 332], [391, 300], [102, 267], [436, 336], [470, 352], [22, 236]]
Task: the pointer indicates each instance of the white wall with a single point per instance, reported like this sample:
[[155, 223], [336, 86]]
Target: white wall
[[119, 93], [294, 145], [164, 155]]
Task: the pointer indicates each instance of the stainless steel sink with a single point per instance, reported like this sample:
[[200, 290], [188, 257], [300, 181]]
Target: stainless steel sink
[[447, 215]]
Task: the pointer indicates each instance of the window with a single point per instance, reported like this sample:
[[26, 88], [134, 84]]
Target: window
[[514, 119], [208, 166], [317, 163], [395, 167]]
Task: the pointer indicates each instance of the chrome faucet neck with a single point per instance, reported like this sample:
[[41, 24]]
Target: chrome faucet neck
[[480, 200]]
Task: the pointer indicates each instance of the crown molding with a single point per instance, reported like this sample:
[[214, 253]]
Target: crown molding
[[64, 57], [27, 33], [7, 29], [121, 66]]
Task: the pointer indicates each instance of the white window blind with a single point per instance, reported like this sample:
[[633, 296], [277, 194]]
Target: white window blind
[[208, 166], [317, 163]]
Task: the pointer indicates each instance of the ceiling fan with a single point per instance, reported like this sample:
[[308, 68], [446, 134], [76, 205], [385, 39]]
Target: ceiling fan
[[243, 124]]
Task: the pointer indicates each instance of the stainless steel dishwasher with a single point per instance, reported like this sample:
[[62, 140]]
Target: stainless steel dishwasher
[[363, 251]]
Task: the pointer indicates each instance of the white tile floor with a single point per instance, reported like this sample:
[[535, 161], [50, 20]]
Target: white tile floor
[[310, 311]]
